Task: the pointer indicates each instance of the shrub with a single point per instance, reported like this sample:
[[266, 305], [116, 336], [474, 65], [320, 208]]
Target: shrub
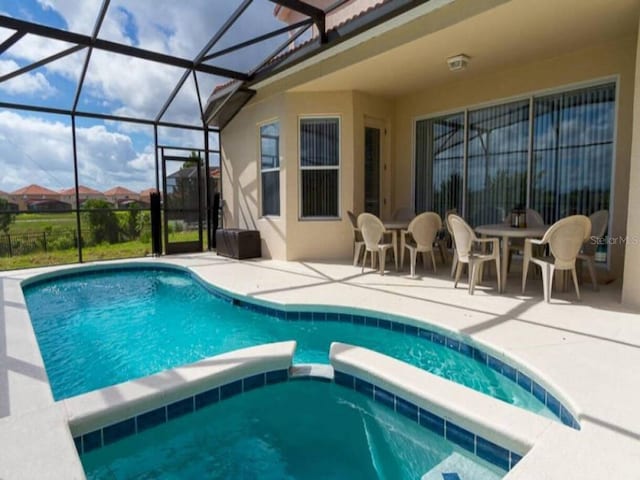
[[102, 220]]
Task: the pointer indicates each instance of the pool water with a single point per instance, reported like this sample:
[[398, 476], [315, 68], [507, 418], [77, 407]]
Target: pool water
[[102, 328], [294, 430]]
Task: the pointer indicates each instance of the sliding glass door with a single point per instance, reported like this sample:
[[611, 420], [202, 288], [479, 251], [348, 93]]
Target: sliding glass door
[[573, 152], [439, 164], [497, 143], [553, 153]]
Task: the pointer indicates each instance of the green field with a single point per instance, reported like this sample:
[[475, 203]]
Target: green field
[[60, 257], [56, 233], [38, 222], [53, 225]]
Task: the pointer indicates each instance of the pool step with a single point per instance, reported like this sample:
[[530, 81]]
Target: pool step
[[461, 467], [317, 371]]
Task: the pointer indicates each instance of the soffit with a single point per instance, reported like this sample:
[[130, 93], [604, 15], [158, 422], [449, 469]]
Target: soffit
[[507, 33]]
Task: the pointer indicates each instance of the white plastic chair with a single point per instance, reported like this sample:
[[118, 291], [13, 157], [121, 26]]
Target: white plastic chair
[[454, 261], [465, 239], [373, 231], [599, 221], [358, 241], [565, 239], [419, 237]]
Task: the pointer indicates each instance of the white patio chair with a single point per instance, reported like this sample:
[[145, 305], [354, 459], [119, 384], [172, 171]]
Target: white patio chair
[[419, 238], [599, 221], [449, 232], [358, 241], [465, 239], [373, 234], [564, 238]]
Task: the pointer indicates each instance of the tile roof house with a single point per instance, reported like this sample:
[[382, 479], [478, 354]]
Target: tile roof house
[[120, 195], [84, 193], [34, 194]]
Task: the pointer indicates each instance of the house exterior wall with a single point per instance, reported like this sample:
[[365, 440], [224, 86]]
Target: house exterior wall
[[310, 239], [294, 239], [631, 283], [240, 159], [290, 237], [375, 111], [608, 60]]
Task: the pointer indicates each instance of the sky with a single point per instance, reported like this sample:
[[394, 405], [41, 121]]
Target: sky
[[37, 147]]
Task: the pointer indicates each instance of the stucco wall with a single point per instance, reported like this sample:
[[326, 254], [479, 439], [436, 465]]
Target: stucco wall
[[319, 239], [615, 58], [240, 148], [287, 237], [631, 284], [373, 111]]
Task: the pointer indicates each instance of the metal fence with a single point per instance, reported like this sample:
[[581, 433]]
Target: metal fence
[[25, 243]]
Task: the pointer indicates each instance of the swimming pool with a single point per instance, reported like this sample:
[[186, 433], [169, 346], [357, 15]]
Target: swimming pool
[[100, 328], [291, 430]]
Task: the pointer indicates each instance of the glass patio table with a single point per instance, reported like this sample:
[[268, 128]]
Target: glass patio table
[[505, 232]]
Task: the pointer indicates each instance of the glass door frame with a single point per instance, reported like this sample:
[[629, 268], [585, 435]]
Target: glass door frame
[[381, 126], [188, 246]]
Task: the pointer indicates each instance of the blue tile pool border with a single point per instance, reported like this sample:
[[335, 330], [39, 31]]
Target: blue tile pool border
[[450, 431], [354, 316], [388, 322], [127, 427]]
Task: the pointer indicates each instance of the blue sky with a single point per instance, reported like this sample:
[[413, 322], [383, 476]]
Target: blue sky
[[36, 148]]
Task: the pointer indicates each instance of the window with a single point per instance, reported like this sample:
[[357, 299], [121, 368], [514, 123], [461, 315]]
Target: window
[[270, 168], [319, 167], [558, 148], [573, 136], [497, 153], [439, 164]]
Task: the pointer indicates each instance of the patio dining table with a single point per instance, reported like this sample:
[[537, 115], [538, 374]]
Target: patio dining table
[[395, 227], [505, 232]]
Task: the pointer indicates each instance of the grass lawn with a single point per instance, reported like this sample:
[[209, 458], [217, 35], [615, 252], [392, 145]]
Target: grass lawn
[[37, 222], [58, 224], [60, 257]]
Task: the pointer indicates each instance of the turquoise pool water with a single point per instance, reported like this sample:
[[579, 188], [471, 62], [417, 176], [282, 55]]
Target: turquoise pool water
[[294, 430], [101, 328]]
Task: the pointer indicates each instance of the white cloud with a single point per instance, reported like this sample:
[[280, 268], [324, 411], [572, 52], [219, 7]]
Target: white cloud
[[105, 158], [28, 84], [34, 48], [127, 86], [134, 87], [79, 15]]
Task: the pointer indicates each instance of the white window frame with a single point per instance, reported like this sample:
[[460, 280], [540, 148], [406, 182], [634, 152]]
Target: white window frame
[[337, 167], [268, 170]]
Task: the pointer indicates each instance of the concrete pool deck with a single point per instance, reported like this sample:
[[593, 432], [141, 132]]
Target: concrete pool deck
[[588, 352]]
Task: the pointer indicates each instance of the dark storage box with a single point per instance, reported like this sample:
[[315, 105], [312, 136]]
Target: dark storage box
[[238, 243]]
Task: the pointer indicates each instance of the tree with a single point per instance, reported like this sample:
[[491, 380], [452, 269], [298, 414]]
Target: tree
[[6, 217], [128, 221], [102, 220]]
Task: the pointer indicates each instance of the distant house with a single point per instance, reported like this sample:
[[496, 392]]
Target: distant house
[[49, 205], [32, 194], [145, 195], [121, 197], [84, 193], [9, 206]]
